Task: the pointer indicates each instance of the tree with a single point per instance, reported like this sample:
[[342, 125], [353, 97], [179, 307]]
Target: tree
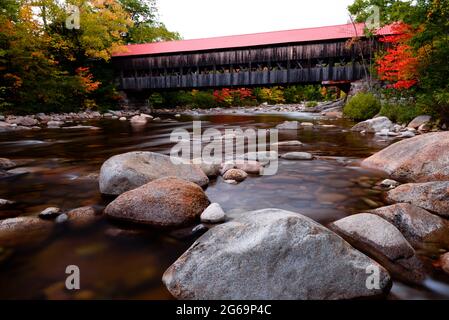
[[399, 65], [147, 27]]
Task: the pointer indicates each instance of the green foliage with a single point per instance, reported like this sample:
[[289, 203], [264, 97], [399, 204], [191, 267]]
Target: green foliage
[[146, 27], [400, 112], [311, 104], [156, 100], [430, 46], [362, 106], [45, 67], [203, 99]]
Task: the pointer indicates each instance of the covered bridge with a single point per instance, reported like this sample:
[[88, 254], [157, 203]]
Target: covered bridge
[[332, 54]]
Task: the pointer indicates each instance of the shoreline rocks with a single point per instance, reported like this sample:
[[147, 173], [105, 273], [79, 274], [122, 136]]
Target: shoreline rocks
[[416, 224], [131, 170], [272, 254], [374, 125], [6, 164], [432, 196], [383, 242], [419, 159], [165, 202]]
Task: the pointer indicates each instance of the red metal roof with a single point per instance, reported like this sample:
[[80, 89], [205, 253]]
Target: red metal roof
[[249, 40]]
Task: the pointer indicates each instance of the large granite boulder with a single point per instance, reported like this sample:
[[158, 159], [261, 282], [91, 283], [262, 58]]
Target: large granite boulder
[[272, 254], [166, 202], [131, 170], [419, 159], [383, 242]]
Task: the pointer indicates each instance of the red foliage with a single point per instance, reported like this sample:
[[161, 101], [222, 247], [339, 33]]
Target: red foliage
[[235, 96], [87, 79], [399, 65]]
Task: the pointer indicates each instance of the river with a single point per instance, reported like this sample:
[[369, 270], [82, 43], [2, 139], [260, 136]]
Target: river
[[61, 167]]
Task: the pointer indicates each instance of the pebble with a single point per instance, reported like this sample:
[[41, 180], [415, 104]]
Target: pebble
[[50, 213], [62, 218], [389, 184], [213, 214]]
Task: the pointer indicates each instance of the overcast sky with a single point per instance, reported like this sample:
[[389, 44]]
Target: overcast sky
[[209, 18]]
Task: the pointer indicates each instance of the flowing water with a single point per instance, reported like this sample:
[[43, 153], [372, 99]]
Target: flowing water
[[59, 168]]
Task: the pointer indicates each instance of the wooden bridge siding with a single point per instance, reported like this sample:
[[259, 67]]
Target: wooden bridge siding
[[298, 66], [258, 78], [245, 56]]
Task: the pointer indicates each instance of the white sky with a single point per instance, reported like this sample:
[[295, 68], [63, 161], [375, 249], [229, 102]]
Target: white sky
[[210, 18]]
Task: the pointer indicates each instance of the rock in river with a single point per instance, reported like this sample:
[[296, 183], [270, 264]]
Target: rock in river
[[166, 202], [50, 213], [419, 159], [235, 174], [128, 171], [272, 254], [6, 164], [288, 125], [24, 231], [374, 125], [297, 156], [432, 196], [419, 121], [416, 224], [382, 241], [213, 214], [83, 217]]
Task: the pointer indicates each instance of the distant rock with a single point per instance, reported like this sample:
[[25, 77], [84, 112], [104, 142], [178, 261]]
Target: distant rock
[[288, 125], [26, 121], [416, 224], [166, 202], [249, 166], [383, 242], [213, 214], [128, 171], [139, 120], [297, 156], [420, 159], [272, 254], [4, 203], [293, 143], [419, 121], [55, 124], [389, 184], [432, 196], [6, 164], [374, 125], [50, 213]]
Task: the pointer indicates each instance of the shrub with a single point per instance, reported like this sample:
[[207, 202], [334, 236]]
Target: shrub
[[156, 100], [311, 104], [362, 106], [203, 99], [400, 112]]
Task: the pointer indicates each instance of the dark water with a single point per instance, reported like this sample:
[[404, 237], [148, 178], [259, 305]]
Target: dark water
[[61, 166]]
